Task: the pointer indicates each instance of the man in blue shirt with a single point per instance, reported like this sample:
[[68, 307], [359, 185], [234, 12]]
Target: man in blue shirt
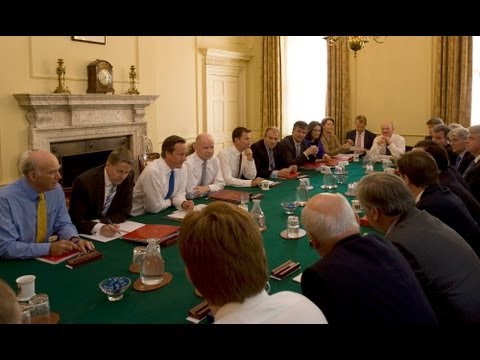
[[18, 210]]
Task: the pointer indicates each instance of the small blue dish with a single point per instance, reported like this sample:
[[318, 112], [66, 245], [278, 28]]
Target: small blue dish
[[115, 286], [289, 206]]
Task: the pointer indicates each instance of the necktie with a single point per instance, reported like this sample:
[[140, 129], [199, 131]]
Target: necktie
[[358, 141], [41, 218], [271, 160], [387, 151], [171, 185], [108, 200], [457, 162], [203, 179], [240, 167], [297, 149]]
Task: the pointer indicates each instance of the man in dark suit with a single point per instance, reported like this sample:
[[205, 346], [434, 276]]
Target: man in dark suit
[[360, 279], [361, 137], [450, 177], [420, 172], [431, 124], [295, 149], [104, 193], [440, 136], [472, 174], [268, 156], [458, 141], [446, 266]]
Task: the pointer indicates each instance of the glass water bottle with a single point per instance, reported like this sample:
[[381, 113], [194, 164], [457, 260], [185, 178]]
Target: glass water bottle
[[258, 215], [153, 265], [302, 193]]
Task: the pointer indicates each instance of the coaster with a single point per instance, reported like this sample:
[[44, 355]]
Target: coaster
[[301, 233], [135, 268], [53, 319], [139, 286]]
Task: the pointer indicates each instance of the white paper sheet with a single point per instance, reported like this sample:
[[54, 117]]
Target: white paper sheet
[[125, 228]]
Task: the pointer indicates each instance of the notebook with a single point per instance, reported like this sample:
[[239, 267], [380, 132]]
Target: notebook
[[166, 234], [56, 259]]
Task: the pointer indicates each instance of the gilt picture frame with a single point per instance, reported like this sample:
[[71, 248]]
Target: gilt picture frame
[[101, 40]]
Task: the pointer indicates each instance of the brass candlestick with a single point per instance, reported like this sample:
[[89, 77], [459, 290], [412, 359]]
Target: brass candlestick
[[61, 88], [132, 90]]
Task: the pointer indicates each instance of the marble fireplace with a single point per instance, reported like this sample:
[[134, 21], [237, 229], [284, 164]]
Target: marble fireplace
[[82, 129]]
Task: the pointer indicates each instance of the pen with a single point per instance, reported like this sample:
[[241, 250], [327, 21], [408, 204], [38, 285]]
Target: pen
[[111, 223]]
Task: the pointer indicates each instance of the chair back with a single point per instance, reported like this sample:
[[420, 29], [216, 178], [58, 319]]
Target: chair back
[[145, 158]]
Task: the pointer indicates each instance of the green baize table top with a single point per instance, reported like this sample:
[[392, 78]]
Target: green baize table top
[[75, 295]]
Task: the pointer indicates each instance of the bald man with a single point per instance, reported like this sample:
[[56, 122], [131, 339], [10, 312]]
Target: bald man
[[201, 182], [18, 211], [388, 143], [360, 279]]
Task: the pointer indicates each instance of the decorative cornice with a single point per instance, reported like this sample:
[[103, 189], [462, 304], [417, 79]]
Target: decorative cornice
[[224, 58]]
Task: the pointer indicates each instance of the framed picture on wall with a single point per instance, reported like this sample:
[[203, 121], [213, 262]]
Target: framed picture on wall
[[91, 39]]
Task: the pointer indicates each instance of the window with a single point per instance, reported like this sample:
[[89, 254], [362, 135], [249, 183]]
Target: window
[[304, 79], [476, 81]]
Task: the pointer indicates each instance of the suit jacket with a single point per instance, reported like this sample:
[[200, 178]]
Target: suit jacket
[[367, 139], [87, 198], [448, 178], [260, 156], [449, 208], [366, 280], [472, 177], [452, 157], [447, 268], [466, 160], [289, 154]]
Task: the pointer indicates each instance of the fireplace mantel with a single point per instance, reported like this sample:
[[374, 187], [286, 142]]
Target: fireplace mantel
[[70, 117]]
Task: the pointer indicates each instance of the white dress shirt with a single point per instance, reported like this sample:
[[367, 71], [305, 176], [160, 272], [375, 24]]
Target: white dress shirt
[[397, 146], [214, 177], [229, 160], [152, 187], [108, 184], [285, 307]]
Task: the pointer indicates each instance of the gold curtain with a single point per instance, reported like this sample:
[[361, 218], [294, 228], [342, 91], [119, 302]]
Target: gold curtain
[[338, 88], [452, 99], [271, 83]]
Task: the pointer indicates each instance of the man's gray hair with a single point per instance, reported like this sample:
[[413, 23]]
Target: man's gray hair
[[386, 192], [474, 129], [460, 132], [24, 163], [327, 224]]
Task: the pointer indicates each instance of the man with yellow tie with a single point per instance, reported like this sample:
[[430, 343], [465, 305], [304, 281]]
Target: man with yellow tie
[[33, 212]]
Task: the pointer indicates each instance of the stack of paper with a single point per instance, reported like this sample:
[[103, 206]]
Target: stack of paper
[[125, 227], [180, 214]]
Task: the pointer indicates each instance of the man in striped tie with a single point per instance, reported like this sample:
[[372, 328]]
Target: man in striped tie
[[162, 183], [204, 172], [31, 221], [103, 193]]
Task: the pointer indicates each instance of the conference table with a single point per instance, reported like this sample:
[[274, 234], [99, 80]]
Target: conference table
[[75, 295]]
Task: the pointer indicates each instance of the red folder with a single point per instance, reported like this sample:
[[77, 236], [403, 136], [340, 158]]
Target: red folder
[[167, 234]]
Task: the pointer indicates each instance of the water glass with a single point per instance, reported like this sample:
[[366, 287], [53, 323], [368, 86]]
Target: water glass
[[244, 200], [293, 227], [25, 316], [352, 188], [386, 163], [40, 308], [356, 157]]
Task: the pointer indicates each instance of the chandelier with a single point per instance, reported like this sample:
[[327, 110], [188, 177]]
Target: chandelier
[[355, 43]]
